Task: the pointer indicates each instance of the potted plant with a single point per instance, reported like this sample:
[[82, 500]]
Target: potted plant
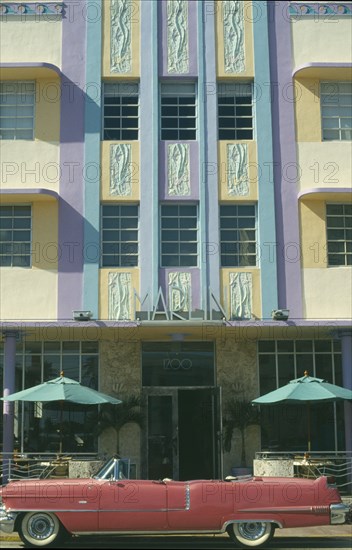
[[116, 416], [238, 414]]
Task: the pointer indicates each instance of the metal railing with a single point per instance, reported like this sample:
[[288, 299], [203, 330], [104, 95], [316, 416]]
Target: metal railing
[[15, 466], [337, 464]]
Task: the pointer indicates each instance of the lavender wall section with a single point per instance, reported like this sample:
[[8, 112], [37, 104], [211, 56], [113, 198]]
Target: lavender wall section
[[192, 39], [285, 158], [70, 279]]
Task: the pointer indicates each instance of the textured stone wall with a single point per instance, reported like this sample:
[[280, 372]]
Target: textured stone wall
[[120, 372], [237, 375]]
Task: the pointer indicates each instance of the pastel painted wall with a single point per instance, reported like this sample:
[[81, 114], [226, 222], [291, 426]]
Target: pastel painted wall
[[121, 25], [327, 291], [116, 297], [250, 298], [31, 39], [236, 183], [112, 188], [239, 32], [321, 39]]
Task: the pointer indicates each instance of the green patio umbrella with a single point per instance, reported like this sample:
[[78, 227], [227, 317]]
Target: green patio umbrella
[[305, 390], [62, 389]]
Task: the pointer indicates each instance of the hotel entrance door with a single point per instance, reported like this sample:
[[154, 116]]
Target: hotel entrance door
[[183, 433]]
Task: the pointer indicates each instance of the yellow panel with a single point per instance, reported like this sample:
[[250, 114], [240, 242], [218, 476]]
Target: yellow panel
[[105, 173], [45, 235], [307, 109], [326, 164], [327, 293], [26, 41], [248, 41], [252, 170], [28, 294], [256, 293], [135, 41], [313, 234]]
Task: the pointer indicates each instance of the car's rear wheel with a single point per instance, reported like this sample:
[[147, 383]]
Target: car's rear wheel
[[40, 529], [251, 534]]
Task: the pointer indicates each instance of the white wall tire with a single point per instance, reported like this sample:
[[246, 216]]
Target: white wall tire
[[39, 529], [251, 534]]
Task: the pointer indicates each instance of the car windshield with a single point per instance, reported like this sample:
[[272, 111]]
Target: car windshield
[[115, 468]]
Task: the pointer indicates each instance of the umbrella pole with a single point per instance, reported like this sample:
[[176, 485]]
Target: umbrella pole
[[308, 420], [61, 420]]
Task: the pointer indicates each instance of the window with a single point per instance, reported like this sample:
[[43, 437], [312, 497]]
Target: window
[[15, 236], [238, 235], [283, 427], [179, 235], [121, 112], [235, 111], [339, 234], [178, 111], [336, 110], [119, 235], [17, 110]]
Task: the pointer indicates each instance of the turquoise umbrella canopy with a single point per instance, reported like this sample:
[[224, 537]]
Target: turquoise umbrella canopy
[[308, 390], [63, 389]]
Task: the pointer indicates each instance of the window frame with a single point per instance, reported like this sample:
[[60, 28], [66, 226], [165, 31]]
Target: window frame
[[340, 129], [119, 242], [15, 117], [239, 242], [119, 86], [236, 89], [178, 85], [346, 253], [29, 242], [179, 241]]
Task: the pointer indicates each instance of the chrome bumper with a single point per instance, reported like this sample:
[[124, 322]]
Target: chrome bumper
[[7, 520], [339, 513]]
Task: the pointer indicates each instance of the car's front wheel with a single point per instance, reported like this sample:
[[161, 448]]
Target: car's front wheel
[[40, 529], [251, 534]]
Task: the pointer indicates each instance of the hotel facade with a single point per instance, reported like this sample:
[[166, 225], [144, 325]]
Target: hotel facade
[[176, 221]]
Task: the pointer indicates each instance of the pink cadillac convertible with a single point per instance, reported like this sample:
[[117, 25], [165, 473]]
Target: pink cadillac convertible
[[44, 511]]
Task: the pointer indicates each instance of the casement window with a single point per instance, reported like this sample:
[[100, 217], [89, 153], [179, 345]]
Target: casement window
[[119, 233], [179, 235], [17, 100], [178, 111], [339, 234], [235, 111], [121, 112], [238, 239], [15, 236], [336, 110]]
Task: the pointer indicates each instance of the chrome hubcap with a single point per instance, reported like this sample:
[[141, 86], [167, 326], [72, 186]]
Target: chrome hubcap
[[40, 527], [252, 530]]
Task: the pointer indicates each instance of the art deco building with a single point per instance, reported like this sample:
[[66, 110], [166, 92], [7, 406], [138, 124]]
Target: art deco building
[[172, 173]]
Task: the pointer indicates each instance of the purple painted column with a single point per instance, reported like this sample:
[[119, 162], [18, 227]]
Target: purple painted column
[[8, 407], [73, 169], [346, 348], [285, 160]]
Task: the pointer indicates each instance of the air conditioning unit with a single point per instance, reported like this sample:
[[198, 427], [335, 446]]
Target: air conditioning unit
[[82, 315]]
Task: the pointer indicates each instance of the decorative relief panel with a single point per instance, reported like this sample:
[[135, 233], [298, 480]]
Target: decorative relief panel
[[233, 25], [241, 295], [120, 48], [237, 169], [120, 170], [177, 37], [178, 169], [179, 291], [119, 296], [32, 8]]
